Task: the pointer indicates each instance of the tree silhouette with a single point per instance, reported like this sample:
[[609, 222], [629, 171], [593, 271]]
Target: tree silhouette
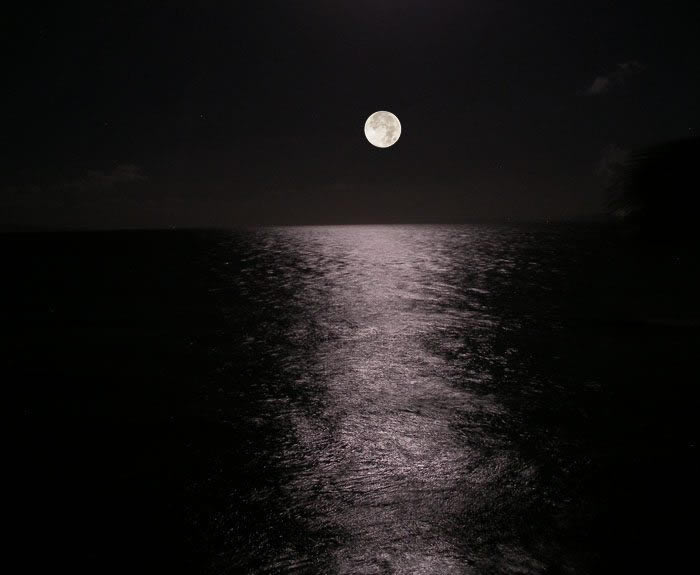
[[655, 193]]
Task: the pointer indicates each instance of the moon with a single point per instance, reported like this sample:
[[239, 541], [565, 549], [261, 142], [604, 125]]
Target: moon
[[382, 129]]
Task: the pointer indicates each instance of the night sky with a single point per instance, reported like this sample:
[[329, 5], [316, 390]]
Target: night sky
[[162, 114]]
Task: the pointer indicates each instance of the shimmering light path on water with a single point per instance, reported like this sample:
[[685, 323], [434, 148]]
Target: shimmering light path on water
[[393, 402], [388, 447]]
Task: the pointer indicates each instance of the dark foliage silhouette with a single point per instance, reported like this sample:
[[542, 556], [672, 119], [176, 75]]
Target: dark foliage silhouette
[[656, 194]]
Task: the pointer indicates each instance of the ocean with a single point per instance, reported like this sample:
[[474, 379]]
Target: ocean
[[350, 399]]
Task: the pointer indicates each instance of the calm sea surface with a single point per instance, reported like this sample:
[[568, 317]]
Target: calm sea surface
[[381, 399]]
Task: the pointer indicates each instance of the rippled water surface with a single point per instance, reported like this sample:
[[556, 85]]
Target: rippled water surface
[[423, 403], [381, 399]]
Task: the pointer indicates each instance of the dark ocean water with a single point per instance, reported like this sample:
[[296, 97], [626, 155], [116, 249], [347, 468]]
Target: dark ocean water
[[383, 399]]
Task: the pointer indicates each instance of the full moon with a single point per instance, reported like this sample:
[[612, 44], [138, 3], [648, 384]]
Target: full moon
[[382, 129]]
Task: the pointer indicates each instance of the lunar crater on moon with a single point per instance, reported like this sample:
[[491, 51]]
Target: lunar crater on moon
[[382, 129]]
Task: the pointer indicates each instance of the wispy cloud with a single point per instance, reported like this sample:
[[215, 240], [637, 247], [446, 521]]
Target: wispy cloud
[[604, 83], [100, 180], [92, 186]]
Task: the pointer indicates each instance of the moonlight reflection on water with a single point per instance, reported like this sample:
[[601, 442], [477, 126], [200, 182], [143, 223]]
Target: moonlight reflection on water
[[397, 453], [385, 448]]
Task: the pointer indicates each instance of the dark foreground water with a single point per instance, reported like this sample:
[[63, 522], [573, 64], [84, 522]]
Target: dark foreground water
[[389, 399]]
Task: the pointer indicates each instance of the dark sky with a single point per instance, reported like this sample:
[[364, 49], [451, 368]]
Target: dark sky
[[223, 113]]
